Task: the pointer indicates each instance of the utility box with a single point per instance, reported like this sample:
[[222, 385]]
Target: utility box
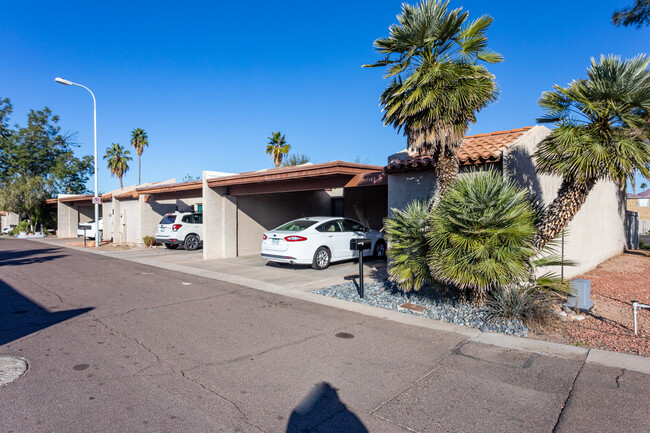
[[360, 244], [579, 295]]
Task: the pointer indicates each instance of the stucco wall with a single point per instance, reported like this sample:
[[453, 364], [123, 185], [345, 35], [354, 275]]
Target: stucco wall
[[258, 213], [128, 225], [597, 232], [8, 220], [151, 212]]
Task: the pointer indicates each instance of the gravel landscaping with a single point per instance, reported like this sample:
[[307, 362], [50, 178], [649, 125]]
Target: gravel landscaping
[[386, 295]]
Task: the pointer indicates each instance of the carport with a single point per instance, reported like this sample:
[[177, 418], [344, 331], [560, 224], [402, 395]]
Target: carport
[[238, 209], [75, 209]]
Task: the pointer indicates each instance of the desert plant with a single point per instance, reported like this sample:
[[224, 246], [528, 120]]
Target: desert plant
[[526, 302], [601, 134], [407, 247], [480, 235], [433, 55], [149, 241]]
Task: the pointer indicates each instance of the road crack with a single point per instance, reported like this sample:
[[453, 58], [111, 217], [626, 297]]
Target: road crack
[[568, 397], [245, 419]]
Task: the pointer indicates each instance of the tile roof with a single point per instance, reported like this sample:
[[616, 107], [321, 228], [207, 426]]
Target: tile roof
[[475, 150]]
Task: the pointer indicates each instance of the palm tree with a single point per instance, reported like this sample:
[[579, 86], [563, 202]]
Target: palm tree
[[481, 234], [601, 134], [637, 15], [438, 85], [277, 148], [644, 186], [139, 140], [118, 161]]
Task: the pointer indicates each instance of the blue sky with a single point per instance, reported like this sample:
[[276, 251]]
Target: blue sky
[[209, 81]]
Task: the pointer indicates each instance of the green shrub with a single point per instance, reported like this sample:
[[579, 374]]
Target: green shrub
[[407, 247], [527, 302], [149, 241], [481, 235], [22, 226]]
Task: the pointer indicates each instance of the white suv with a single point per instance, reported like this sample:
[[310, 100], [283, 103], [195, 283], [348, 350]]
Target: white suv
[[181, 228], [89, 229]]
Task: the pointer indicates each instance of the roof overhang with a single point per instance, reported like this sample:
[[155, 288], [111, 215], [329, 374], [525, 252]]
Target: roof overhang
[[329, 175]]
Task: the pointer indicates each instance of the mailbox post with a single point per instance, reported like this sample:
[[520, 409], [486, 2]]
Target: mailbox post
[[360, 245]]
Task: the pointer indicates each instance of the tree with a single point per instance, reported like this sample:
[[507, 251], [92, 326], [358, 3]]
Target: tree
[[601, 133], [643, 186], [139, 140], [637, 15], [277, 147], [295, 159], [118, 161], [438, 85], [37, 162]]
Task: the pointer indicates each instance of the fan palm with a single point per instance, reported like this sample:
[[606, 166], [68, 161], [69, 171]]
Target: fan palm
[[438, 85], [601, 134], [139, 140], [408, 265], [481, 234], [277, 147], [118, 161]]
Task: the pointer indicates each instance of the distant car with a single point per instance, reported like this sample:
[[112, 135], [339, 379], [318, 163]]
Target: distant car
[[90, 229], [6, 230], [181, 228], [319, 241]]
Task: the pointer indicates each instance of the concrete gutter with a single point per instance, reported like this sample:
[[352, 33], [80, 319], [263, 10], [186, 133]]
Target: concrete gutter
[[590, 356]]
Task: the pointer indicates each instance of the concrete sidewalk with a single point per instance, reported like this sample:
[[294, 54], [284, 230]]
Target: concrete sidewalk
[[115, 345]]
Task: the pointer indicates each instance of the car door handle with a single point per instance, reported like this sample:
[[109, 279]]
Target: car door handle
[[330, 236]]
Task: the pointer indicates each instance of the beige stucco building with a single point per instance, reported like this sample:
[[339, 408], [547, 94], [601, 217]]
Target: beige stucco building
[[596, 233]]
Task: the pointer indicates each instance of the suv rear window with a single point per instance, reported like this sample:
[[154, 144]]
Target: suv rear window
[[296, 226], [168, 219]]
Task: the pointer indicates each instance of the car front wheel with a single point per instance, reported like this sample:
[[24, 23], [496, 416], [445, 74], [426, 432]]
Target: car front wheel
[[321, 259], [191, 242]]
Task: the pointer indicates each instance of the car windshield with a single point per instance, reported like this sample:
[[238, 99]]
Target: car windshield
[[168, 219], [296, 226]]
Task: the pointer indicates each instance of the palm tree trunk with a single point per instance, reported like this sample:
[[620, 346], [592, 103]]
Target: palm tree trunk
[[121, 187], [139, 171], [446, 171], [570, 197]]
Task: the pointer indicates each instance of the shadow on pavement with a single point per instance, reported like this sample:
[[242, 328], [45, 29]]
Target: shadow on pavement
[[322, 409], [27, 257], [20, 316]]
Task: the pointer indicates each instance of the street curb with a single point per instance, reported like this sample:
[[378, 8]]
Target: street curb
[[619, 360], [590, 356]]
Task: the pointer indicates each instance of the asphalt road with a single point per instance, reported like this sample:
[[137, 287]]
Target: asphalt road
[[115, 346]]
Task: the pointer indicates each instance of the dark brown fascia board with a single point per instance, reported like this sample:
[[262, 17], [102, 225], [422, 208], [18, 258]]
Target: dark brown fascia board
[[80, 198], [172, 187], [293, 173]]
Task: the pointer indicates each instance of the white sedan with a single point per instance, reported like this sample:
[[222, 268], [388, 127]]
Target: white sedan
[[319, 241]]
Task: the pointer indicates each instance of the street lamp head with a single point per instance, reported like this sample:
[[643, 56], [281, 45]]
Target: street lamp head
[[63, 81]]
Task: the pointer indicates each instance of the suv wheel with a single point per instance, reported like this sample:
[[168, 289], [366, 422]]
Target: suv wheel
[[191, 242], [321, 259]]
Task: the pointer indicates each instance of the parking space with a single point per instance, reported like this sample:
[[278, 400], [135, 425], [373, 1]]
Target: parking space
[[299, 277], [250, 267]]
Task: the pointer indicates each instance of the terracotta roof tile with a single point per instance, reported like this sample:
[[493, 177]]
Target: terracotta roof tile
[[475, 150]]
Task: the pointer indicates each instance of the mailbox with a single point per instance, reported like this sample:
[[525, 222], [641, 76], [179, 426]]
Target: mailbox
[[360, 244]]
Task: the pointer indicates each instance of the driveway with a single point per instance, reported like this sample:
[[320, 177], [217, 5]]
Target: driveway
[[115, 345]]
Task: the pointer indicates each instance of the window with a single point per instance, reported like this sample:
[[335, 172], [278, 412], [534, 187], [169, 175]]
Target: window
[[353, 226], [330, 226], [187, 219], [296, 226], [198, 218], [644, 202], [168, 219]]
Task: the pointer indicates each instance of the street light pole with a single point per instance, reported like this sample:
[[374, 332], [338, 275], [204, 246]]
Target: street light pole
[[70, 83]]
